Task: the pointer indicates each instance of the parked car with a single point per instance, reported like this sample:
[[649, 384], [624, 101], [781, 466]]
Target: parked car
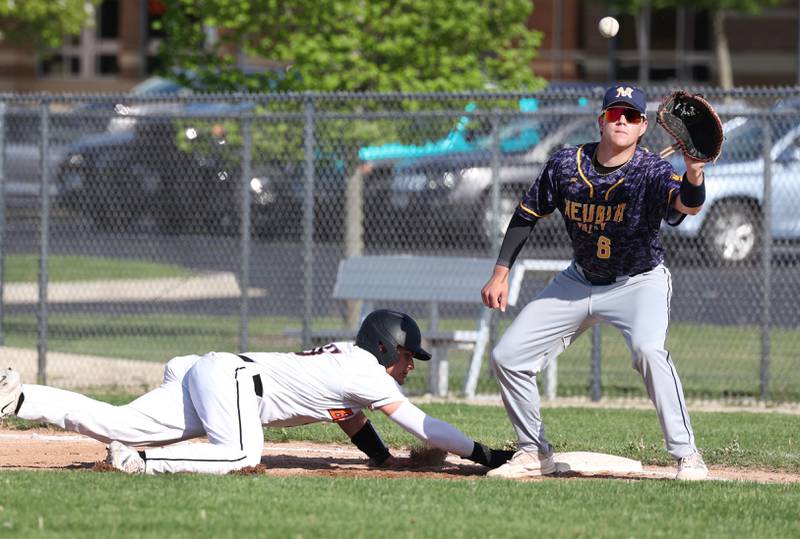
[[461, 138], [22, 144], [119, 177], [170, 161], [164, 160], [22, 134], [729, 228], [470, 135], [185, 178], [279, 198], [449, 197]]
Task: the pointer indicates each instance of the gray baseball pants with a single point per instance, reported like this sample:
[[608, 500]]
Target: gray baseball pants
[[637, 306]]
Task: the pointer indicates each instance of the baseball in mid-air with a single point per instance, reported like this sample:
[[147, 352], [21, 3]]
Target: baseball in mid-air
[[608, 26]]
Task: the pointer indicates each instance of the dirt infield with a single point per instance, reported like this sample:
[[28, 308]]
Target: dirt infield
[[46, 449]]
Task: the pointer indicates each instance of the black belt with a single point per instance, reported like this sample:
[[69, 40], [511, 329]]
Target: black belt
[[601, 280], [257, 385]]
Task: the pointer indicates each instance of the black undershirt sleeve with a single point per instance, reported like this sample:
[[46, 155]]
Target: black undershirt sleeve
[[674, 217], [517, 233], [692, 196]]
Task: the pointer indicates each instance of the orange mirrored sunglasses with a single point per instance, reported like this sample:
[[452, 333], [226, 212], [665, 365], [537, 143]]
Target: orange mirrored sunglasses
[[633, 116]]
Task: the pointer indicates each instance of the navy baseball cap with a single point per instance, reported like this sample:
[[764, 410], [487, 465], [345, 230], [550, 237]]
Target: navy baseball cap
[[626, 95]]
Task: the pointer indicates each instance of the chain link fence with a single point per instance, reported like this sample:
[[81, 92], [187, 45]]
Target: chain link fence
[[139, 227]]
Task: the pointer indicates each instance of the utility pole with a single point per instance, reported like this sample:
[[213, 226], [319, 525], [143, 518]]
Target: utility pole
[[643, 42]]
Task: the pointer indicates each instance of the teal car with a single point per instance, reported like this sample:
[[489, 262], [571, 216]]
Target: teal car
[[456, 141]]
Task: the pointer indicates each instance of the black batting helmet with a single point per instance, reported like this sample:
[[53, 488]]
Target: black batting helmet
[[390, 329]]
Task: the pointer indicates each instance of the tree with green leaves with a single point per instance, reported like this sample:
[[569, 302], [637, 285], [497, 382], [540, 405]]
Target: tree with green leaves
[[717, 9], [355, 45], [44, 23]]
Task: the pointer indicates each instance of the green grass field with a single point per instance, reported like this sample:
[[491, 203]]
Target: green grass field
[[85, 504], [713, 361], [720, 362], [74, 504], [153, 337], [25, 268]]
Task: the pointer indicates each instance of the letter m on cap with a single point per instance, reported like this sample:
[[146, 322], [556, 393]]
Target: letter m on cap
[[625, 91]]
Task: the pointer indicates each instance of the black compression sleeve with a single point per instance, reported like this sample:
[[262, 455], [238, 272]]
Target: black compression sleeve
[[674, 217], [517, 234], [369, 441]]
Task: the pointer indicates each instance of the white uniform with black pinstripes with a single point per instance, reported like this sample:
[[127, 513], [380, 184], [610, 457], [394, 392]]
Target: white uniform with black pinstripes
[[329, 383], [637, 306], [215, 395]]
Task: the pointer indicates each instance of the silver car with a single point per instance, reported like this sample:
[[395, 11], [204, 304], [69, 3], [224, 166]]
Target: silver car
[[451, 195], [729, 228]]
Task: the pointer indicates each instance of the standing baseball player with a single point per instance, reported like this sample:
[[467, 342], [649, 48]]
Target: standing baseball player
[[228, 398], [613, 196]]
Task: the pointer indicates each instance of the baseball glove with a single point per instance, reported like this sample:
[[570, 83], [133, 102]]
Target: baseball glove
[[693, 123]]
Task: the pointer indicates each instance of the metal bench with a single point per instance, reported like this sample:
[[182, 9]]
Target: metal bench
[[435, 280]]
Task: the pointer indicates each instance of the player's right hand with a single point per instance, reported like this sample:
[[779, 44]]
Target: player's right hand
[[495, 293]]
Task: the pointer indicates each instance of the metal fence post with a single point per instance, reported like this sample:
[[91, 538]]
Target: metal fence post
[[494, 244], [597, 357], [439, 372], [495, 202], [44, 226], [2, 219], [244, 285], [308, 222], [766, 259]]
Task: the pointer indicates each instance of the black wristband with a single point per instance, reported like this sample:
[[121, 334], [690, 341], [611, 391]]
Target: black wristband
[[480, 454], [491, 458], [692, 196], [369, 441]]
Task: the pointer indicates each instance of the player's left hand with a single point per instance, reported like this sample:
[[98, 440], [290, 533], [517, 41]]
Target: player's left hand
[[694, 168], [693, 123]]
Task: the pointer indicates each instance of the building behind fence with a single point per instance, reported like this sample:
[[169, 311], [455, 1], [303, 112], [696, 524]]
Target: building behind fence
[[137, 228]]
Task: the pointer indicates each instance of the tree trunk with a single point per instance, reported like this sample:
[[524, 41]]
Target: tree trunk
[[722, 53], [353, 234]]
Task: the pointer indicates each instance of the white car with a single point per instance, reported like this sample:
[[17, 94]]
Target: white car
[[729, 227]]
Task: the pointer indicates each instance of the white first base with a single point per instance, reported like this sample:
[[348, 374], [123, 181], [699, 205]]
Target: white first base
[[588, 463]]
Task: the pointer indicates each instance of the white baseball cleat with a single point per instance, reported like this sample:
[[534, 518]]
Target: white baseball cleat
[[124, 458], [525, 464], [10, 390], [692, 468]]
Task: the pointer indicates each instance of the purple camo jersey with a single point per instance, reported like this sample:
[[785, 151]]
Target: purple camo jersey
[[612, 219]]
